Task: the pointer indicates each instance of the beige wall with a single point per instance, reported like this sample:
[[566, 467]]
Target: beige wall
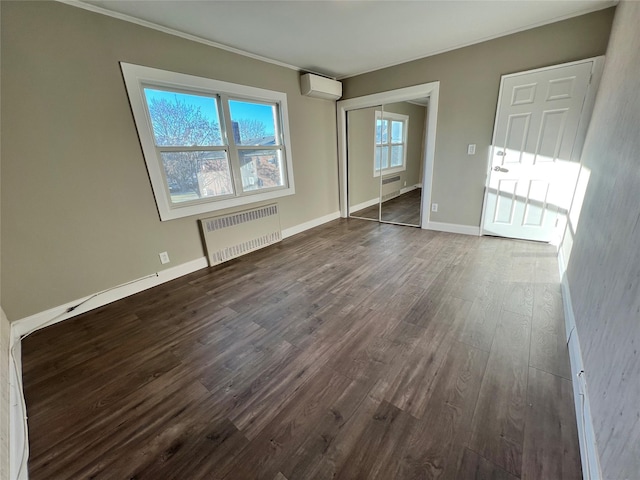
[[78, 212], [469, 83], [5, 335], [363, 186], [604, 269]]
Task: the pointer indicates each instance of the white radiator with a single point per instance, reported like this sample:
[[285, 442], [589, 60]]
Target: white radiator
[[229, 236], [390, 187]]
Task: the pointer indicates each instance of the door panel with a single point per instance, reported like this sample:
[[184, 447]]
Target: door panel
[[516, 137], [536, 203], [531, 163], [506, 201]]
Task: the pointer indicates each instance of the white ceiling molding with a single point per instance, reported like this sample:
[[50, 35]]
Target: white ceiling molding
[[172, 31], [341, 39]]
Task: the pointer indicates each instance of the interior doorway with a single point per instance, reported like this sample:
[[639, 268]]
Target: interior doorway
[[386, 151], [541, 121]]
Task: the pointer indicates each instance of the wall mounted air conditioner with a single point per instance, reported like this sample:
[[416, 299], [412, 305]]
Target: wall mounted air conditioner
[[320, 87]]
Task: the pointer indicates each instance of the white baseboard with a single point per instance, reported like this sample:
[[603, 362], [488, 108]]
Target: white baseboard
[[367, 204], [58, 314], [18, 446], [453, 228], [410, 188], [17, 454], [316, 222], [586, 435], [375, 201]]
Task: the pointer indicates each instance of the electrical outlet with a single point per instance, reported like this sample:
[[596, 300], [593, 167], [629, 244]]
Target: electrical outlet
[[471, 149], [434, 207], [164, 257]]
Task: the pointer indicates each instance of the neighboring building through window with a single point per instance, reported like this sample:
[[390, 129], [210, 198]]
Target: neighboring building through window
[[209, 145], [391, 143]]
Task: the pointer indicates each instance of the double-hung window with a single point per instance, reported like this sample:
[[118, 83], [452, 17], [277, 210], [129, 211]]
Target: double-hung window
[[209, 145], [391, 143]]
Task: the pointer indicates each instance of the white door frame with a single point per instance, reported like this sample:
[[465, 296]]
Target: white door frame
[[430, 90], [583, 125]]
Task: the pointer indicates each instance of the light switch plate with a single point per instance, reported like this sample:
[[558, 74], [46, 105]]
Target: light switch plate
[[164, 258], [471, 149]]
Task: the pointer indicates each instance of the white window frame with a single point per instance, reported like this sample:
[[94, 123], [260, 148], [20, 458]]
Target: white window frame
[[137, 77], [381, 115]]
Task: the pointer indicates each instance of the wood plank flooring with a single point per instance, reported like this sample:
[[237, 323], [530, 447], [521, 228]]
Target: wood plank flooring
[[404, 209], [355, 350]]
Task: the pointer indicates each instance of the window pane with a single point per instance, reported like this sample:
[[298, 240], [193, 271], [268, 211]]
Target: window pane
[[396, 155], [253, 123], [261, 169], [195, 175], [382, 131], [396, 132], [183, 120], [378, 132], [382, 157]]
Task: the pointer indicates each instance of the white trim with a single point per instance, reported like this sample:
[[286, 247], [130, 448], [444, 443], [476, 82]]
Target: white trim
[[375, 201], [18, 444], [177, 33], [17, 453], [137, 77], [430, 90], [586, 434], [453, 228], [39, 320], [389, 171], [288, 232], [390, 116], [366, 204], [221, 46], [410, 188]]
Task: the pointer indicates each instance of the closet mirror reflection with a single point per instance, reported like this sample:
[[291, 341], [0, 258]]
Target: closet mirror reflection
[[385, 158]]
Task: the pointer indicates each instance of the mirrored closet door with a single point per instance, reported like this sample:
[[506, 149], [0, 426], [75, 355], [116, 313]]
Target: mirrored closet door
[[363, 173], [385, 158]]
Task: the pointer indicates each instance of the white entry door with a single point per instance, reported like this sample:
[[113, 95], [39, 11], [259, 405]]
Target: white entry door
[[533, 170]]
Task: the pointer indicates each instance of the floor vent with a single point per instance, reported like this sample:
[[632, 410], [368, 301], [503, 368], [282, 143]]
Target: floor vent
[[230, 236]]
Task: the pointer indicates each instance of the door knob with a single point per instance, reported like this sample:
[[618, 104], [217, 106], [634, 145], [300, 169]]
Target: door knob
[[500, 169], [501, 153]]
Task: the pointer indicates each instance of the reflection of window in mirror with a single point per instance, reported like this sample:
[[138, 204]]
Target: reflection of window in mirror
[[391, 143]]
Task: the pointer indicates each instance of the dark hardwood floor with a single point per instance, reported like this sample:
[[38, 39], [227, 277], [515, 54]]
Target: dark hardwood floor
[[404, 208], [355, 350]]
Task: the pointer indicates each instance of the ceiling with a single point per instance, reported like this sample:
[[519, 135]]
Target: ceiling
[[342, 38]]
